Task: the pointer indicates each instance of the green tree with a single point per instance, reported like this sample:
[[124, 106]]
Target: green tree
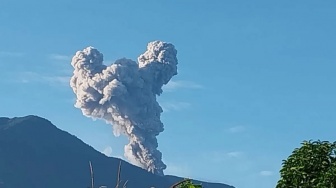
[[187, 183], [313, 165]]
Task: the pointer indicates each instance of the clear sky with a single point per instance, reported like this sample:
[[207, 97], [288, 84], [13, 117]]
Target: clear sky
[[255, 79]]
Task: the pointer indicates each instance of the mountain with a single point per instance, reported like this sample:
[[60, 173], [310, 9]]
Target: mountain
[[34, 153]]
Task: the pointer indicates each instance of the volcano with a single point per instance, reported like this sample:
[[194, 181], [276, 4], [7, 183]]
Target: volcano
[[34, 153]]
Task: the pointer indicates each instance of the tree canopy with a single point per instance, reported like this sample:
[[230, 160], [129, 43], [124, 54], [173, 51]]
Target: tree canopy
[[313, 165], [187, 183]]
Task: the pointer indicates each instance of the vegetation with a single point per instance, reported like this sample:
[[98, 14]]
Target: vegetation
[[187, 183], [313, 165]]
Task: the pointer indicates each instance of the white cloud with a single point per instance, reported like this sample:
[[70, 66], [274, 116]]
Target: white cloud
[[174, 106], [59, 57], [64, 80], [61, 63], [266, 173], [107, 151], [237, 129], [234, 154], [29, 77], [182, 84]]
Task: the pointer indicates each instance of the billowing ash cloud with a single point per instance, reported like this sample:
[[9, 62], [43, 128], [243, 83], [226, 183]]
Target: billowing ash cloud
[[124, 95]]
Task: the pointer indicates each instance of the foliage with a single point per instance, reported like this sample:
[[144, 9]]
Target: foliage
[[186, 184], [313, 165]]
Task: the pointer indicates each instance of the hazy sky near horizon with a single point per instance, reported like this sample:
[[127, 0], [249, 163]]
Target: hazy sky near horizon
[[256, 78]]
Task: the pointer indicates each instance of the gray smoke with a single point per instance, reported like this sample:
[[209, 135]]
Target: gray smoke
[[124, 95]]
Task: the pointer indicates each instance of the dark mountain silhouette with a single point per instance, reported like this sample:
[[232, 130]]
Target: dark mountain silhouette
[[34, 153]]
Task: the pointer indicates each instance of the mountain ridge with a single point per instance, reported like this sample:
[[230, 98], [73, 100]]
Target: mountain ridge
[[40, 155]]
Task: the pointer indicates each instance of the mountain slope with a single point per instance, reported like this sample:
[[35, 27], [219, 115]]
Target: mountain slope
[[36, 154]]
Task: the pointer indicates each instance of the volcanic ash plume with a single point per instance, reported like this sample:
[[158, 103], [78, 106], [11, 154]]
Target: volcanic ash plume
[[124, 95]]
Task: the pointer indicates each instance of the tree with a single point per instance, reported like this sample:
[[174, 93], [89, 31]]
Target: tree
[[313, 165], [187, 183]]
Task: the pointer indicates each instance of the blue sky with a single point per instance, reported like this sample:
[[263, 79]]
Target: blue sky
[[255, 77]]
